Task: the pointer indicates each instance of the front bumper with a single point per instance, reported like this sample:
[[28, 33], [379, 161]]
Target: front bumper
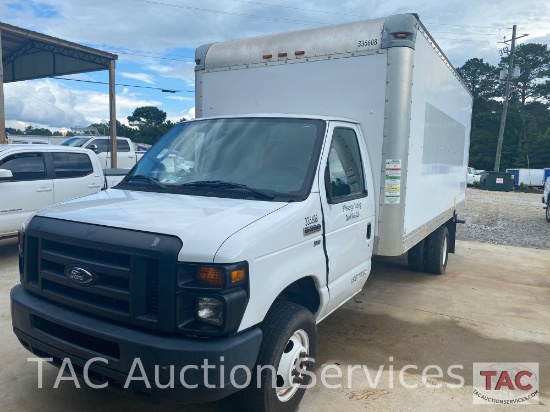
[[52, 331]]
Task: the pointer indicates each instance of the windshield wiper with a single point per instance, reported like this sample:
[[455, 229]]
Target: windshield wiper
[[149, 179], [228, 185]]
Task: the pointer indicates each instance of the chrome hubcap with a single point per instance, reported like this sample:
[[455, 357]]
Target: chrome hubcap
[[293, 361]]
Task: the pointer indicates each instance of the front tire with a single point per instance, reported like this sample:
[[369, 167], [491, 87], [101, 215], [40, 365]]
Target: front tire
[[437, 251], [288, 344]]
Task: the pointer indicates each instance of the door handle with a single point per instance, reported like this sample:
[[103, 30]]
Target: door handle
[[130, 156], [369, 231], [44, 189], [93, 185]]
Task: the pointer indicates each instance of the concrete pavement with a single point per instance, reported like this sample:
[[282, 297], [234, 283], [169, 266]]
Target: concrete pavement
[[492, 305]]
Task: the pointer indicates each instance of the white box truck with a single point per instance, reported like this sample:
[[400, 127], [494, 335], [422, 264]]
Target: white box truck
[[314, 150], [528, 177]]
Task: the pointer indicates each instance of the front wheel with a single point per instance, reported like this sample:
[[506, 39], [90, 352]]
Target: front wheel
[[437, 251], [288, 349]]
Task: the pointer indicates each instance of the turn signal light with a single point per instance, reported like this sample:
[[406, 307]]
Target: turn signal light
[[210, 276], [400, 35], [238, 275]]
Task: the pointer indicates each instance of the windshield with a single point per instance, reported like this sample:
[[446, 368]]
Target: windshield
[[225, 157], [74, 141]]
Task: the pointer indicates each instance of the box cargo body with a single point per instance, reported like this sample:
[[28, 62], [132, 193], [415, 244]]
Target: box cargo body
[[412, 106], [247, 227], [529, 177]]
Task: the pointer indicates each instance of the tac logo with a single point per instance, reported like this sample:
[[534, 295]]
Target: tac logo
[[506, 383]]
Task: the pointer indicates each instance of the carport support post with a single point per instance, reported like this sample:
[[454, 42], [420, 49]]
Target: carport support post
[[112, 112], [2, 108]]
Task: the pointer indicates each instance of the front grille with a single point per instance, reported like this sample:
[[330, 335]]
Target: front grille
[[129, 277]]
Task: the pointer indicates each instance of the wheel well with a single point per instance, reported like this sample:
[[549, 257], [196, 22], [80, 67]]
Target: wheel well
[[302, 292]]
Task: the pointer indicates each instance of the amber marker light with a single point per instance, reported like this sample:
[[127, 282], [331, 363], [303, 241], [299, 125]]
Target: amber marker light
[[210, 276], [238, 276]]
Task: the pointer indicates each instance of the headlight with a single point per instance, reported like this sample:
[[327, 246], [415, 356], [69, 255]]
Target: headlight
[[211, 298], [210, 310]]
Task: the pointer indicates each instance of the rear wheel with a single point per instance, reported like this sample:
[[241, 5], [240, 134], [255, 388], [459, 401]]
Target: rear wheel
[[437, 251], [289, 347], [548, 212], [417, 257]]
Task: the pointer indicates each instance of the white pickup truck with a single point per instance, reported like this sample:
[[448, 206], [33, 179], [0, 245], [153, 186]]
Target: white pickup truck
[[36, 176], [127, 156], [218, 254]]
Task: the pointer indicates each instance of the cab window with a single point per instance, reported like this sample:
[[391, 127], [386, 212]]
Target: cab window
[[344, 178], [122, 146], [24, 166], [69, 165]]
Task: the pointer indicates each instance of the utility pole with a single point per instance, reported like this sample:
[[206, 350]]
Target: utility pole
[[506, 97]]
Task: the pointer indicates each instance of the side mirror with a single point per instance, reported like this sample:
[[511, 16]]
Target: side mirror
[[5, 174], [94, 148]]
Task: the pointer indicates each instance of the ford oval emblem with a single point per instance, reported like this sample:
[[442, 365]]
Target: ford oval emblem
[[79, 276]]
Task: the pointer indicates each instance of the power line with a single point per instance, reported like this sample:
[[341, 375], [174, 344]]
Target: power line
[[302, 22], [301, 9], [127, 85], [351, 15]]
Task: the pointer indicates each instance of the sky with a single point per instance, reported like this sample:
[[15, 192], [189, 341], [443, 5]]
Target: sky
[[155, 42]]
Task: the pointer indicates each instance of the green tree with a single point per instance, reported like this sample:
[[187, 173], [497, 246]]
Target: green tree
[[13, 131], [29, 130], [147, 116], [481, 78], [532, 84]]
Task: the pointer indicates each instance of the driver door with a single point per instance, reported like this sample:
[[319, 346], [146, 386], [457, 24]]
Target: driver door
[[348, 210]]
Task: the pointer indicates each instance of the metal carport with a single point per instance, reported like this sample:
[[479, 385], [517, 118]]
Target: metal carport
[[27, 55]]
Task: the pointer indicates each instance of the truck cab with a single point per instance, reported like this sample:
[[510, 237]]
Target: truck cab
[[126, 154], [33, 177]]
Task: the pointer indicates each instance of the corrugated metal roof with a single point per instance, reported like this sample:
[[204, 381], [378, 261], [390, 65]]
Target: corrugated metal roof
[[30, 55]]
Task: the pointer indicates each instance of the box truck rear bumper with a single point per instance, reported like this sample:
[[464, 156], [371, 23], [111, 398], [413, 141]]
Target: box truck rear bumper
[[51, 331]]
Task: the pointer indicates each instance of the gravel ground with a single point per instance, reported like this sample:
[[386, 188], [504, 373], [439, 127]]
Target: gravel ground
[[505, 218]]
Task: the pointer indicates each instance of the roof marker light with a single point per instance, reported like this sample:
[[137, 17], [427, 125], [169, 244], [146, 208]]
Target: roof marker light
[[267, 56], [282, 54]]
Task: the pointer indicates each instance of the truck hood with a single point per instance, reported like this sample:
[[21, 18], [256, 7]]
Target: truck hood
[[202, 223]]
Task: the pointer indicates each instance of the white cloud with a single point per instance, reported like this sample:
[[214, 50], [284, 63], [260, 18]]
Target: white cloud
[[178, 70], [153, 36], [184, 114], [44, 103], [166, 27], [96, 104], [181, 98], [143, 77]]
